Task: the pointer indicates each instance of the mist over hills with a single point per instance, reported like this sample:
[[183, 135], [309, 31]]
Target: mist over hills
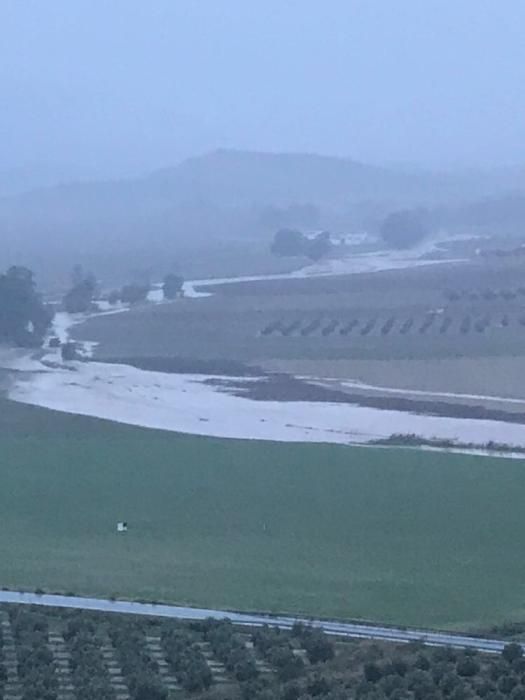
[[225, 196]]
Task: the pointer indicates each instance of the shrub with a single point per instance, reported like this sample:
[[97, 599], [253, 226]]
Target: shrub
[[134, 293]]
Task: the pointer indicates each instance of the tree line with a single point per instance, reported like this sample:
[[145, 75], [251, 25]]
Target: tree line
[[400, 229], [84, 291], [25, 319]]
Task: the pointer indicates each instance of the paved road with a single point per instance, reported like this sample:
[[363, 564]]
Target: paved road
[[343, 629]]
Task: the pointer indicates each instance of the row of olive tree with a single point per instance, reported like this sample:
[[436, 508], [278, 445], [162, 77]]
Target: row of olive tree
[[329, 670], [88, 668], [36, 669]]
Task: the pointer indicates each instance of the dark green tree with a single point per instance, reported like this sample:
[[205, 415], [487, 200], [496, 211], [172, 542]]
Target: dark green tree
[[318, 647], [288, 242], [80, 296], [24, 318], [403, 229], [511, 652], [507, 683], [319, 246], [172, 286], [372, 672], [467, 667]]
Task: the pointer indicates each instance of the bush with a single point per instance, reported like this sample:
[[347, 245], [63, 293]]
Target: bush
[[134, 293]]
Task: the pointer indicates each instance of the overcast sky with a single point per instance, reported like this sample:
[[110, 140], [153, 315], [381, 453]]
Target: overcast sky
[[115, 87]]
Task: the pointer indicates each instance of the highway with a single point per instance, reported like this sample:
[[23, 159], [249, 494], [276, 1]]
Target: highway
[[342, 629]]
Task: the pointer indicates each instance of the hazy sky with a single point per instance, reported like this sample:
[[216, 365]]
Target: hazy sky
[[112, 87]]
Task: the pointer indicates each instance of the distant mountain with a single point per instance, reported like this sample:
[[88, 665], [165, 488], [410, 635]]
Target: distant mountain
[[222, 195], [234, 178], [15, 181]]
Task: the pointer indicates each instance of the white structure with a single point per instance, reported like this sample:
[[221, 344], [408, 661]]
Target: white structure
[[122, 526]]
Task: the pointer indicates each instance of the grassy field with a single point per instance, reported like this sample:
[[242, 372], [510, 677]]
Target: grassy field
[[395, 535]]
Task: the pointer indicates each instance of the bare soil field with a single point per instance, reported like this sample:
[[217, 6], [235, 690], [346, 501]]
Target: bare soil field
[[442, 312], [288, 388], [496, 376]]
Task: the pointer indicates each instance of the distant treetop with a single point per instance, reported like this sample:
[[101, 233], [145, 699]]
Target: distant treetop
[[172, 286], [291, 242], [403, 229]]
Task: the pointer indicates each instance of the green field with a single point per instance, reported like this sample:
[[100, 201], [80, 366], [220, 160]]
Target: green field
[[393, 535]]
